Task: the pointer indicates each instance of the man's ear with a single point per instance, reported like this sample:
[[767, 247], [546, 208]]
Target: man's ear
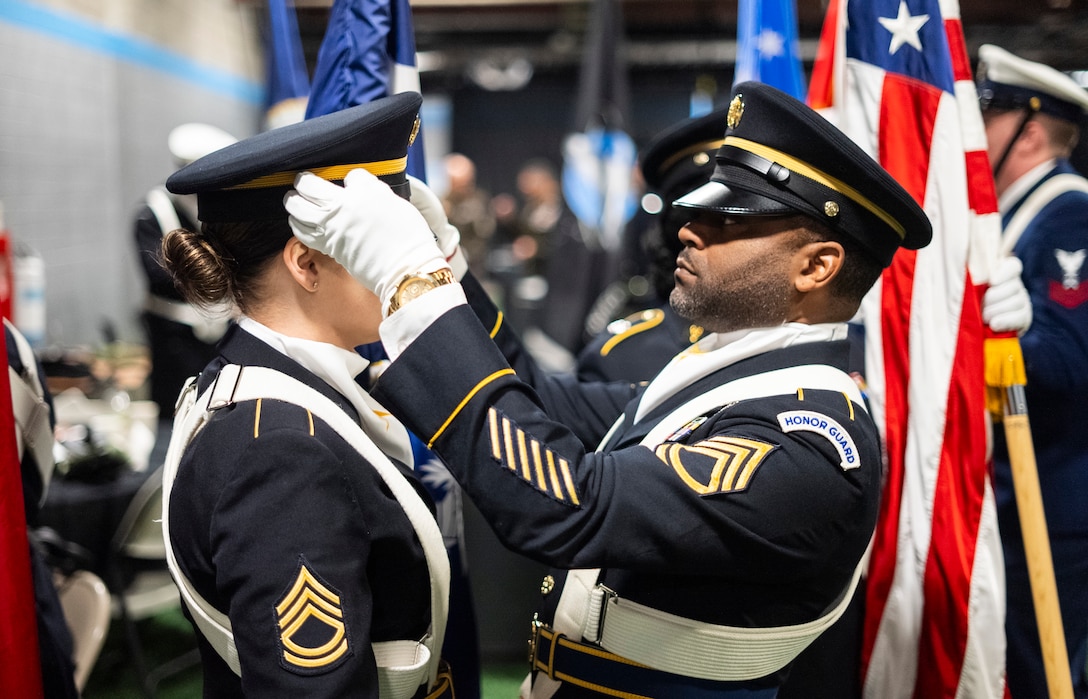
[[300, 264], [818, 264]]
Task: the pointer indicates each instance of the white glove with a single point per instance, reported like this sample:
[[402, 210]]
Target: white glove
[[1006, 305], [447, 235], [375, 234]]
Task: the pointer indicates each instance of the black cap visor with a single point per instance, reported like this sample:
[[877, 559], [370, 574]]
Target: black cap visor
[[719, 198]]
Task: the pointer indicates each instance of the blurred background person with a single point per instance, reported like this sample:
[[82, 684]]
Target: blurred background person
[[181, 339], [468, 208]]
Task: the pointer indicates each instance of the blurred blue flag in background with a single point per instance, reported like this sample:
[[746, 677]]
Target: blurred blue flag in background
[[288, 80], [767, 47], [369, 52]]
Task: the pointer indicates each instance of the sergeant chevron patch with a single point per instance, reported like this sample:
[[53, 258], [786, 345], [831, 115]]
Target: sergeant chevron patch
[[526, 456], [716, 465], [310, 619]]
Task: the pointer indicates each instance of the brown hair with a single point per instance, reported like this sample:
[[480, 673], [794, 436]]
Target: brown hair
[[224, 262]]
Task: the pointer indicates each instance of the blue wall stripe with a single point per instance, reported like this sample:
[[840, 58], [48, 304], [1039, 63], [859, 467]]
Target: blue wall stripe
[[127, 48]]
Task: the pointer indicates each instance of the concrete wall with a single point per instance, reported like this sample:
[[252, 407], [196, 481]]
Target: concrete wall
[[88, 93]]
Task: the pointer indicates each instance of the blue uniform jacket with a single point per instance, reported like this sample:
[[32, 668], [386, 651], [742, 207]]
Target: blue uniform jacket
[[268, 496], [637, 347], [1052, 249], [776, 547]]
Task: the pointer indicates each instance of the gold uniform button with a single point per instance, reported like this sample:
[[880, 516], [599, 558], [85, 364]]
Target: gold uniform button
[[547, 584]]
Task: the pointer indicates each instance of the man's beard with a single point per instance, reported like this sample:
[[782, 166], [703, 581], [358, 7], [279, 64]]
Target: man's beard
[[750, 300]]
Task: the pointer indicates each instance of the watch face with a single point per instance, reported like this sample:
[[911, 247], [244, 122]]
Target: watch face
[[415, 288]]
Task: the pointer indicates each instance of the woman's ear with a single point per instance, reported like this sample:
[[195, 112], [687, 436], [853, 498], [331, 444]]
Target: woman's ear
[[300, 263], [819, 263]]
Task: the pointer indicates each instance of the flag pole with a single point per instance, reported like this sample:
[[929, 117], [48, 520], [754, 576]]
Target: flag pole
[[1006, 378]]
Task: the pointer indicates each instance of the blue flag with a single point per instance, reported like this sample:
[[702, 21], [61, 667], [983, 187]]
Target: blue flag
[[767, 48], [369, 52], [288, 81]]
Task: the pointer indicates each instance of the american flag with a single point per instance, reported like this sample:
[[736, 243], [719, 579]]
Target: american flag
[[895, 76]]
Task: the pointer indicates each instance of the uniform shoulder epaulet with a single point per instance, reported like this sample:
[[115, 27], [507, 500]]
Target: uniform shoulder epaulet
[[631, 325]]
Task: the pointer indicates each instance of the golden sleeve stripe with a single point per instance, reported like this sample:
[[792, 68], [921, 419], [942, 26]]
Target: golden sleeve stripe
[[716, 465], [498, 324], [464, 401], [529, 458]]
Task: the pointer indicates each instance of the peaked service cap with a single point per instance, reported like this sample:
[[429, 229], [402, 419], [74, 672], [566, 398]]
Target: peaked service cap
[[1009, 82], [246, 181], [781, 158], [681, 157]]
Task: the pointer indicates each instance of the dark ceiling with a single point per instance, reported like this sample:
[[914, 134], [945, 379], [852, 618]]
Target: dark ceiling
[[670, 31]]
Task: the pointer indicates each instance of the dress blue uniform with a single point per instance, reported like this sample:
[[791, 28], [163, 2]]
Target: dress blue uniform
[[276, 520], [718, 556], [752, 513], [1051, 247], [260, 497]]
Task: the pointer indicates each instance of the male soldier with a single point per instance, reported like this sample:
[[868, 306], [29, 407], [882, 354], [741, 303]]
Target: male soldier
[[732, 499], [1031, 112]]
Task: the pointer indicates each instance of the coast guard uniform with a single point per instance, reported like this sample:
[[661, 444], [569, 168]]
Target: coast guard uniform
[[1044, 215]]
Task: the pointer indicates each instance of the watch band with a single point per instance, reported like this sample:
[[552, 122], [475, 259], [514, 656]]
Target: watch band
[[412, 286]]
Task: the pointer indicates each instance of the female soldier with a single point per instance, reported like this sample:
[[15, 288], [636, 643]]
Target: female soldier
[[300, 539]]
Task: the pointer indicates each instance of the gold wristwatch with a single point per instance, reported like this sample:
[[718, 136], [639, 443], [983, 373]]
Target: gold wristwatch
[[412, 286]]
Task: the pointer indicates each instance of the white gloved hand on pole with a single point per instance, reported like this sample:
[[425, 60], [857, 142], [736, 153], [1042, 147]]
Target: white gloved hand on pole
[[1006, 305], [375, 234], [449, 238]]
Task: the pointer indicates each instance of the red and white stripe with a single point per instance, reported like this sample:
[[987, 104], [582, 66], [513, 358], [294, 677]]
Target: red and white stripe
[[935, 590]]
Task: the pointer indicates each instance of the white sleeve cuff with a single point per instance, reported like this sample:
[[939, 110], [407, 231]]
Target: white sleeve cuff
[[402, 328]]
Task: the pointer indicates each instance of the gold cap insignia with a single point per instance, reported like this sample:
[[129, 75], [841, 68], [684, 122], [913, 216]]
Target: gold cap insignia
[[831, 208], [736, 109], [311, 611], [415, 132]]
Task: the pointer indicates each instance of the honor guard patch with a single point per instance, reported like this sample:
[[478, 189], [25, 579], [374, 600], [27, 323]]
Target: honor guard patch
[[808, 421], [313, 635], [527, 457], [716, 465]]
